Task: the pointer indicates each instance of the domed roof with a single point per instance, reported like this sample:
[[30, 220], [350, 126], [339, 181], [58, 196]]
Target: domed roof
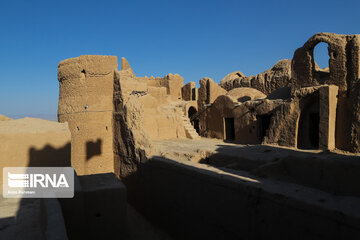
[[244, 94]]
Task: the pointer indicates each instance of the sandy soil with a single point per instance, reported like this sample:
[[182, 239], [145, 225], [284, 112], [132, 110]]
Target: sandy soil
[[31, 125]]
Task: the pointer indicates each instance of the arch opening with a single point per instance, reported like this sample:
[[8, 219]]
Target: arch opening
[[321, 62], [191, 112]]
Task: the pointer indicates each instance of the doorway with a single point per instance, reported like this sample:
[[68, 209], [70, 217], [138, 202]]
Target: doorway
[[229, 129], [264, 124], [193, 119], [308, 130]]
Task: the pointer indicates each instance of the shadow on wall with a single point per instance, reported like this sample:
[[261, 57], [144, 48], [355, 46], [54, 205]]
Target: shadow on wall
[[93, 149], [50, 156], [244, 99]]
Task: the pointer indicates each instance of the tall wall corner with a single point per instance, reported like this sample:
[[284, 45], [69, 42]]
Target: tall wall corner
[[328, 104]]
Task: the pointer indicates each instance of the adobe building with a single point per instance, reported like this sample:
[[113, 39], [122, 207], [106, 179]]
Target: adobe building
[[293, 104], [310, 107], [245, 149], [91, 99]]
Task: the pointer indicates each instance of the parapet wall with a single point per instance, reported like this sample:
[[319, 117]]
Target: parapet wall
[[31, 142], [173, 84], [205, 203]]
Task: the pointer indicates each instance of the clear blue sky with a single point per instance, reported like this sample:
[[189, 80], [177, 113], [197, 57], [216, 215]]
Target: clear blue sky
[[193, 38]]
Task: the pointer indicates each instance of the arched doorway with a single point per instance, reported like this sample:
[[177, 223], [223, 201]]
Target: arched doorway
[[192, 116], [191, 112]]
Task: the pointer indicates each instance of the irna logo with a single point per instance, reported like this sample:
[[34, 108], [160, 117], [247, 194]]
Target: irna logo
[[37, 180]]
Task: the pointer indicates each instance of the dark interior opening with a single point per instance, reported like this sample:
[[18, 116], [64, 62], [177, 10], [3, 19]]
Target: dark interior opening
[[308, 129], [314, 129], [264, 124], [229, 129], [244, 99], [195, 122], [196, 125], [191, 112], [193, 94]]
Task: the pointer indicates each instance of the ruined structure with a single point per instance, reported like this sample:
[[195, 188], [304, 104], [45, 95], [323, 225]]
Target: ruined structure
[[102, 105], [277, 77], [318, 102], [293, 104], [343, 72], [236, 147]]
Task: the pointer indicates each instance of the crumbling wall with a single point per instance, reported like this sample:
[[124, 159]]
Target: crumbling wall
[[142, 113], [173, 84], [153, 103], [209, 91], [130, 139], [303, 64], [288, 126], [207, 94], [153, 81], [94, 97], [284, 124], [343, 72], [248, 125], [161, 119], [189, 92], [277, 121], [353, 52], [277, 77]]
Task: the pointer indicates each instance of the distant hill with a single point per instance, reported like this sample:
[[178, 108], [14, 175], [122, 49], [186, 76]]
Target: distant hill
[[50, 117], [4, 118]]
